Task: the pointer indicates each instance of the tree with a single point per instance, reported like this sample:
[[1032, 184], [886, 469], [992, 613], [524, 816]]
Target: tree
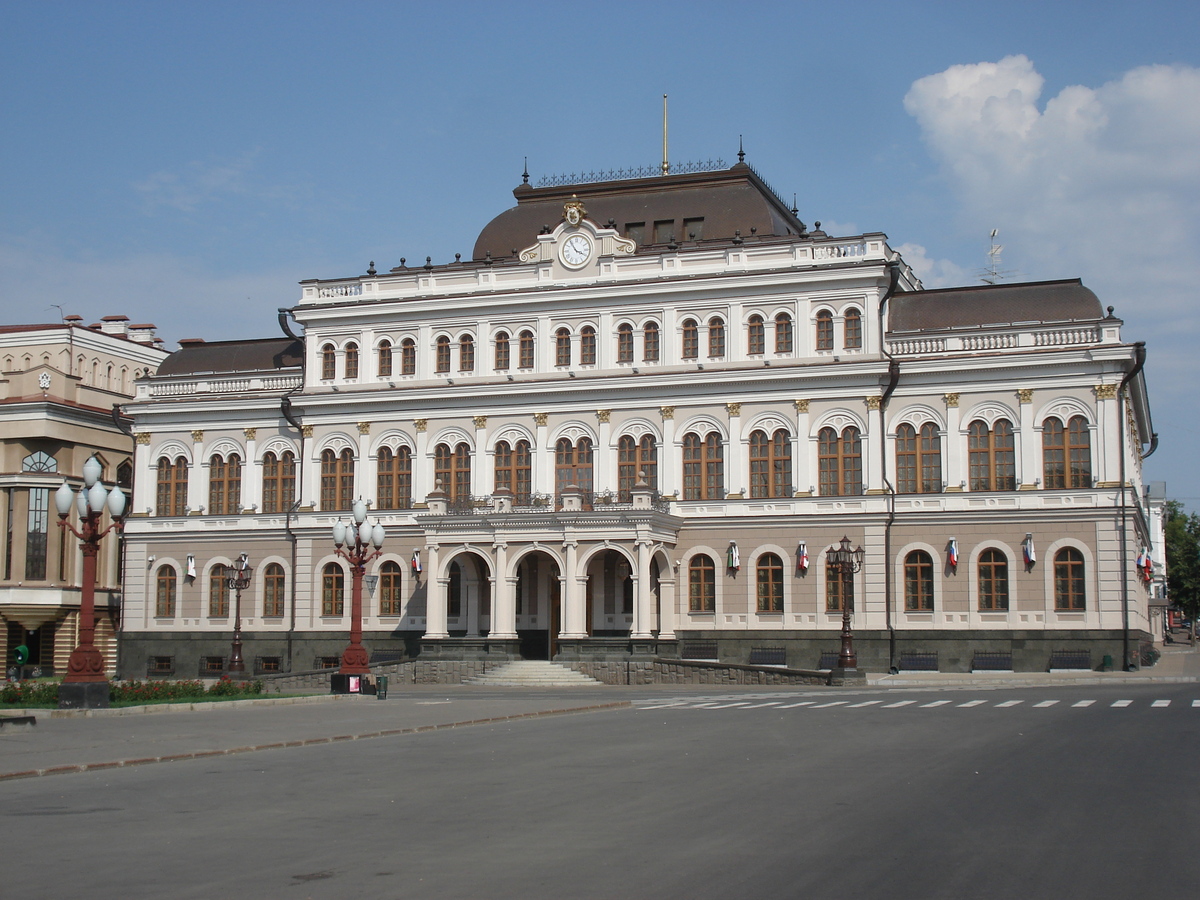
[[1183, 558]]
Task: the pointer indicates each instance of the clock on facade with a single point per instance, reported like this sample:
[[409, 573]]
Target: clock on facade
[[576, 250]]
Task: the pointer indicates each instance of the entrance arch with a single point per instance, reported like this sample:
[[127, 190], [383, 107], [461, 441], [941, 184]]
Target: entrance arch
[[468, 596], [609, 594], [538, 604]]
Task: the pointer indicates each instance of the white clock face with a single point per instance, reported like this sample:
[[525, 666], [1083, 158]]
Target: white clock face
[[576, 250]]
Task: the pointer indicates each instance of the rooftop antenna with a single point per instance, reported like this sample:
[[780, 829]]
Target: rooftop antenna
[[992, 273], [666, 165]]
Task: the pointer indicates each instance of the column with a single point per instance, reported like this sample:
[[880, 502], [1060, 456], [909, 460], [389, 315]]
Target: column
[[604, 476], [871, 471], [310, 493], [504, 595], [1108, 415], [805, 462], [435, 598], [197, 492], [643, 598], [1030, 444], [422, 465], [573, 594], [955, 471], [481, 472], [366, 467], [251, 472], [543, 457], [145, 481], [737, 475], [669, 481], [666, 605]]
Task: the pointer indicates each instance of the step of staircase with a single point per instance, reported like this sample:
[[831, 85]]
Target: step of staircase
[[533, 673]]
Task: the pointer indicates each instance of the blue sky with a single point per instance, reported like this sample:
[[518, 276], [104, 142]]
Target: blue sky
[[187, 163]]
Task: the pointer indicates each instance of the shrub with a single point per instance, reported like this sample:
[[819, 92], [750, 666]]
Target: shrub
[[227, 687], [29, 693], [154, 691]]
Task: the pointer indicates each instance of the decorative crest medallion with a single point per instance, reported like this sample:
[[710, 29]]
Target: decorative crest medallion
[[574, 212]]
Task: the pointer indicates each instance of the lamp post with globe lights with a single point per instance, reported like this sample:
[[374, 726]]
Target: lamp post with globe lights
[[847, 562], [362, 541], [238, 579], [85, 685]]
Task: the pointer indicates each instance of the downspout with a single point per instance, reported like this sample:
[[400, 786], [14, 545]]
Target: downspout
[[285, 408], [1139, 356], [893, 380]]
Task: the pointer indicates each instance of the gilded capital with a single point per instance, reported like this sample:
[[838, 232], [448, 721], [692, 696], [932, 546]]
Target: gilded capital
[[602, 416], [667, 412], [420, 425], [1105, 391], [951, 401], [874, 401], [1025, 395], [480, 421], [541, 419], [364, 427], [801, 405], [734, 409], [251, 434], [142, 437], [307, 431], [197, 437]]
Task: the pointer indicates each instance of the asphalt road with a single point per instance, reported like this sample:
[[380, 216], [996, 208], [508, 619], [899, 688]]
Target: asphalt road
[[958, 793]]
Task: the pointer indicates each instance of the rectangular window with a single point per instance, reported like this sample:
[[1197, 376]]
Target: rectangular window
[[35, 541], [636, 232], [693, 229], [664, 230]]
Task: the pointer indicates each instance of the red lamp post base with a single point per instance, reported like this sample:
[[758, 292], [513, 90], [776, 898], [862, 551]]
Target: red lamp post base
[[85, 665], [355, 661]]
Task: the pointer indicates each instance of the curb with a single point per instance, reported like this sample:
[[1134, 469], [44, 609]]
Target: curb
[[159, 709], [390, 732]]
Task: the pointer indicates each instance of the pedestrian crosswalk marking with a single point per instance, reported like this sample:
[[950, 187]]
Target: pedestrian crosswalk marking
[[1121, 704], [1195, 704], [761, 705], [729, 703], [1160, 704], [1008, 703], [1082, 703], [971, 703], [864, 703], [1044, 704], [834, 703], [801, 703], [901, 703], [935, 703]]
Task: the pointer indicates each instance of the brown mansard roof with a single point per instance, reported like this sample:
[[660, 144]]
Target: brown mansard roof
[[994, 304], [728, 200], [217, 357]]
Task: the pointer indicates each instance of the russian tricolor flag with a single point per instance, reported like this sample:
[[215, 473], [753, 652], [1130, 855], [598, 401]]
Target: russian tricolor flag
[[952, 557]]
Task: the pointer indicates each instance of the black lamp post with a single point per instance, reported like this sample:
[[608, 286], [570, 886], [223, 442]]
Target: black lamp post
[[847, 562], [238, 579], [85, 684], [359, 539]]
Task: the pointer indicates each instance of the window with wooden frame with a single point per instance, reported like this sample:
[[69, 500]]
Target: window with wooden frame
[[525, 358], [633, 457], [502, 351], [839, 589], [393, 480], [691, 339], [441, 359], [769, 582], [839, 462], [993, 581], [453, 468], [218, 593], [385, 359], [573, 465], [852, 336], [562, 347], [466, 353], [165, 583], [624, 343], [918, 582], [408, 357], [756, 336], [390, 598], [514, 470], [352, 360], [171, 495], [333, 590], [337, 480], [702, 584], [1069, 584], [279, 481], [824, 330], [328, 363], [770, 464], [703, 467], [1066, 453], [274, 583], [992, 456], [783, 333], [224, 485], [587, 346], [650, 342], [918, 459], [716, 338]]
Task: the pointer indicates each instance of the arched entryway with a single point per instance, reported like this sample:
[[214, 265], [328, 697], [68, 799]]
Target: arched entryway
[[468, 596], [538, 605], [610, 594]]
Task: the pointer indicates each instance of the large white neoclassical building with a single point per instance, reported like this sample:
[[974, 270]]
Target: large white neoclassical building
[[630, 426]]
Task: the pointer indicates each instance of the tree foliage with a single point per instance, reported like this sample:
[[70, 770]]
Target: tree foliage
[[1183, 557]]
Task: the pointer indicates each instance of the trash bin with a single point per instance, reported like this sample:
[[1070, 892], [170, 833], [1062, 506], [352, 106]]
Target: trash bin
[[1106, 664], [381, 684]]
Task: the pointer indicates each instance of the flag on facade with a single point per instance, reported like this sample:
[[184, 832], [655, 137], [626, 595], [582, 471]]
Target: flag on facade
[[191, 567], [1147, 566], [1027, 548], [1141, 561], [802, 558], [416, 562], [953, 555], [733, 559]]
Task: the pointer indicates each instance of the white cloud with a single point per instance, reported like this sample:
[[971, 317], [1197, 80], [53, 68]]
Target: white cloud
[[934, 273], [195, 184]]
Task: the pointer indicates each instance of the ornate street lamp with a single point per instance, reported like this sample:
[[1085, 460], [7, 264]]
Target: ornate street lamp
[[85, 685], [238, 579], [359, 538], [847, 562]]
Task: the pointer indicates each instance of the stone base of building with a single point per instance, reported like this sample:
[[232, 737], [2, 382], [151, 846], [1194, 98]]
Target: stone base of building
[[83, 695]]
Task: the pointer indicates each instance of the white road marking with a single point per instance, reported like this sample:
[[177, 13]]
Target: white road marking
[[801, 703], [1160, 704], [727, 705], [1008, 703], [761, 705], [864, 703], [1121, 704], [901, 703], [834, 703], [935, 703], [971, 703], [1082, 703], [1044, 704], [1195, 704]]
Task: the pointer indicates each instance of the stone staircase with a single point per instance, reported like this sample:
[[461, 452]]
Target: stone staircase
[[533, 673]]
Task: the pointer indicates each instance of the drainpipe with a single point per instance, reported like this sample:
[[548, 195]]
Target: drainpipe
[[285, 409], [1139, 357], [893, 380]]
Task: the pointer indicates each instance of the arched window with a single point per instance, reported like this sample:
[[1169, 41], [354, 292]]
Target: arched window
[[328, 362], [992, 453], [587, 346], [691, 339], [573, 465], [39, 461], [352, 360], [525, 358], [918, 460], [393, 481], [1066, 453], [165, 581], [756, 336], [466, 353], [224, 485], [716, 338], [453, 468], [279, 481], [770, 464], [333, 590], [502, 357], [839, 460], [562, 347], [390, 600], [769, 577], [171, 499], [852, 329], [218, 593], [918, 582], [634, 457], [1068, 581], [337, 480], [703, 467], [274, 591], [783, 333], [125, 475], [839, 588], [624, 343], [442, 354], [702, 584], [514, 470], [993, 580], [408, 357], [385, 359], [650, 342], [824, 330]]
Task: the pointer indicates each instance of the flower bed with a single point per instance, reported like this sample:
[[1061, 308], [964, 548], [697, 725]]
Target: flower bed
[[128, 693]]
